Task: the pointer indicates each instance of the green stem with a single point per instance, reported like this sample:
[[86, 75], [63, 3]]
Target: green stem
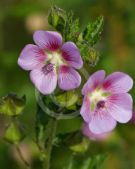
[[27, 165], [49, 144]]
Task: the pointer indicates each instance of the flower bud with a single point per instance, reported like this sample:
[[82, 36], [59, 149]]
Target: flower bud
[[57, 18], [14, 133], [12, 105], [92, 57]]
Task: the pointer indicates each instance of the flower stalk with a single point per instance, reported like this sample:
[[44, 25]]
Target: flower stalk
[[27, 165], [49, 145]]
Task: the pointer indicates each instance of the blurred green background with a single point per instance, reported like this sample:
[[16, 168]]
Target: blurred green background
[[19, 19]]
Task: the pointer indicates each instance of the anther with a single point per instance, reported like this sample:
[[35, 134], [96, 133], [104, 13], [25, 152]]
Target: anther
[[48, 68]]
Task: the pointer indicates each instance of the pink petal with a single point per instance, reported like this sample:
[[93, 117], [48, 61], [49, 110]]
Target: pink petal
[[71, 54], [48, 40], [31, 57], [95, 80], [88, 133], [68, 78], [44, 82], [120, 107], [85, 109], [102, 122], [118, 82]]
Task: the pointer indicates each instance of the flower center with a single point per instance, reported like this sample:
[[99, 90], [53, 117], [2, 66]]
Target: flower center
[[100, 104], [48, 68], [55, 58], [97, 99]]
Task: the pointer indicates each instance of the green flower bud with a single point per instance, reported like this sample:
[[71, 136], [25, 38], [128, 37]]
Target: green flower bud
[[57, 18], [81, 147], [14, 133], [92, 56], [11, 105], [67, 99]]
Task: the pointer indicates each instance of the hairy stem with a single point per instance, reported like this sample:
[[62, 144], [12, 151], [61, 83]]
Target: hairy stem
[[49, 145]]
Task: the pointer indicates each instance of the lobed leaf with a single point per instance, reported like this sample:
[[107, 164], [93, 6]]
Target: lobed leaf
[[93, 30]]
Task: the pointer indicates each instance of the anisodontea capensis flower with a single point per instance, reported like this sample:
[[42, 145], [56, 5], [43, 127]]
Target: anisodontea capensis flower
[[106, 101], [92, 136], [50, 61]]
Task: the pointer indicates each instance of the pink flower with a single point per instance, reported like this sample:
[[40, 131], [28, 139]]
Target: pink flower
[[106, 101], [50, 61], [92, 136]]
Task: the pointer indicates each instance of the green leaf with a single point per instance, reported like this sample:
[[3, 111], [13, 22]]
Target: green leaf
[[72, 29], [12, 105], [88, 38], [14, 133], [93, 30], [64, 23]]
